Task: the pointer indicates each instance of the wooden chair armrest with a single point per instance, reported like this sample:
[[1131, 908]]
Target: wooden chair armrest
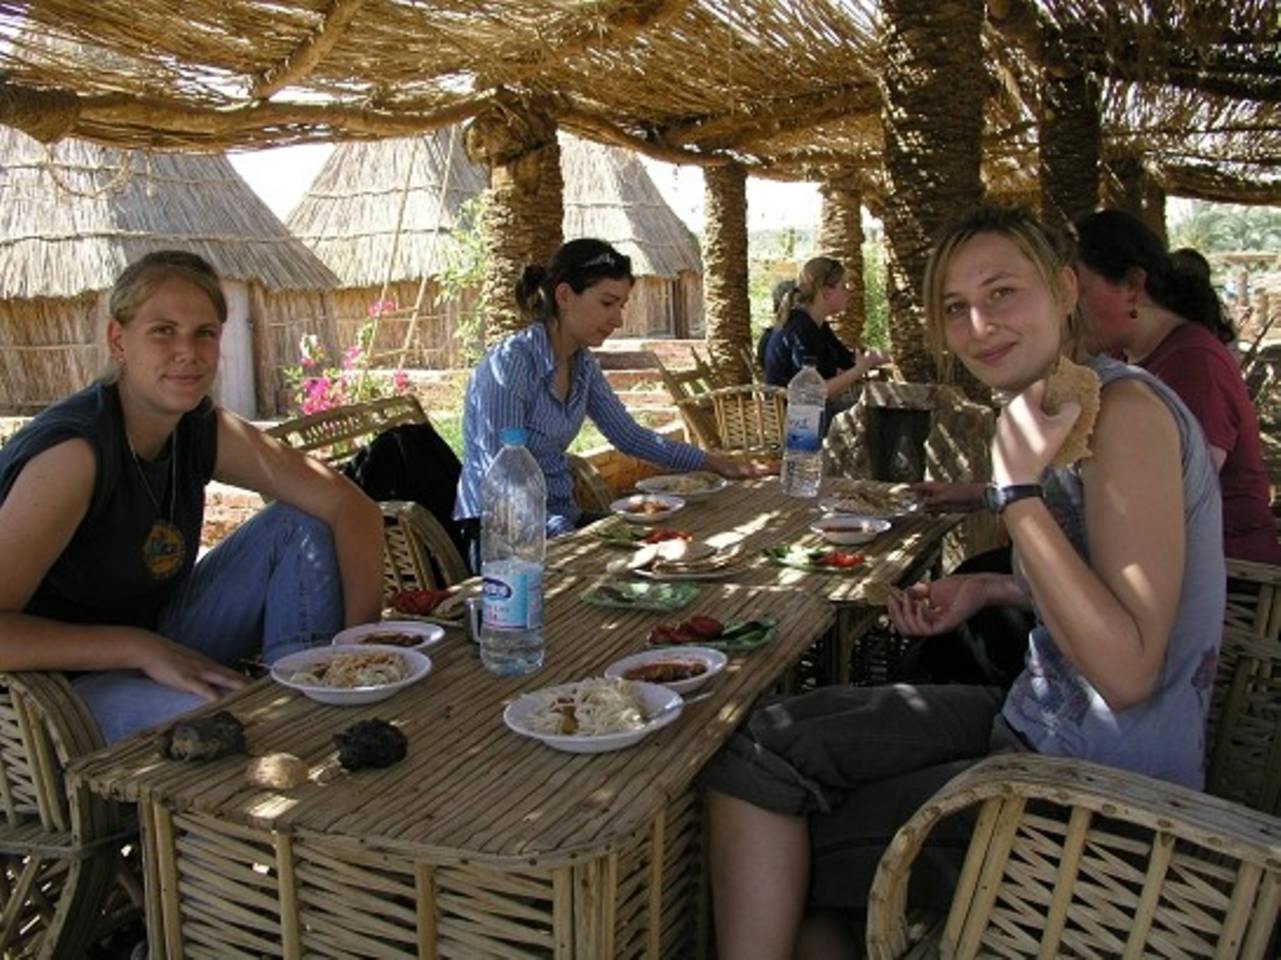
[[1068, 853], [417, 551], [1256, 572]]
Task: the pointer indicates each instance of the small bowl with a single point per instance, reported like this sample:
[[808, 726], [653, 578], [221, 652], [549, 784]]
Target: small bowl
[[647, 507], [713, 662], [407, 634], [845, 529]]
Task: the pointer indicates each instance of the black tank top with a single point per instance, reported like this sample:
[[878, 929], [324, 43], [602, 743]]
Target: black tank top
[[104, 575]]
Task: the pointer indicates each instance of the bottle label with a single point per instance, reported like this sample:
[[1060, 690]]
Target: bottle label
[[803, 426], [513, 598]]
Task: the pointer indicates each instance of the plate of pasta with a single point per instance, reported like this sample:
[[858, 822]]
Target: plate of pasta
[[593, 716], [347, 676]]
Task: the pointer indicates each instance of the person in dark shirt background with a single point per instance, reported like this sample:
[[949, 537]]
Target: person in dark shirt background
[[819, 292]]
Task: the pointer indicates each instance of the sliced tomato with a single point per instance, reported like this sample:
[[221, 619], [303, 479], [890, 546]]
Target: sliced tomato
[[418, 601], [706, 628], [665, 635], [841, 558], [659, 534]]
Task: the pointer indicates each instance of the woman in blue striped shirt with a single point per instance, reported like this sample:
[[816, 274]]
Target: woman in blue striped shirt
[[544, 380]]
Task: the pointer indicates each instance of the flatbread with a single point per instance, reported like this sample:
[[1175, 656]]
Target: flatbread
[[1072, 381]]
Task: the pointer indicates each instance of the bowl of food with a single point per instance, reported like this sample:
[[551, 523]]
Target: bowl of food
[[692, 487], [349, 676], [683, 669], [845, 528], [407, 634], [593, 716], [647, 507]]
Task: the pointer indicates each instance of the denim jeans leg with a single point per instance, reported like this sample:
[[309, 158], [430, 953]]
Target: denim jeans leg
[[272, 586], [124, 702]]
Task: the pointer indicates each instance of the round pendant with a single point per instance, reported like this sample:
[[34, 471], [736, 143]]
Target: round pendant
[[164, 550]]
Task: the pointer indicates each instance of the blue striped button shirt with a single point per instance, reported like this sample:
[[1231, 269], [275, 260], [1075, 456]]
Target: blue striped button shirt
[[513, 387]]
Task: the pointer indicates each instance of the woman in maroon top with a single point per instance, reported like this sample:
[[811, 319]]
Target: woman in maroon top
[[1170, 322]]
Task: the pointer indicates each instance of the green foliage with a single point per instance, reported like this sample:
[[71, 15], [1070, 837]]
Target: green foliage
[[876, 325], [463, 272], [1223, 227]]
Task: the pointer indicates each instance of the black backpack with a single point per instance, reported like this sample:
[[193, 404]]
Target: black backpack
[[411, 462]]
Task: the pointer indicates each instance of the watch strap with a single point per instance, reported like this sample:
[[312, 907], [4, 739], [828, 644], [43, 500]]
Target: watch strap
[[997, 498]]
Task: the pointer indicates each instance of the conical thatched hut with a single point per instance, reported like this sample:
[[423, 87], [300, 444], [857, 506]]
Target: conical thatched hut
[[75, 214], [610, 195], [382, 216]]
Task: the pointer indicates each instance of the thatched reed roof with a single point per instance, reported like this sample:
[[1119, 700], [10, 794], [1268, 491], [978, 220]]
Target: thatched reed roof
[[383, 210], [609, 194], [74, 214], [788, 87]]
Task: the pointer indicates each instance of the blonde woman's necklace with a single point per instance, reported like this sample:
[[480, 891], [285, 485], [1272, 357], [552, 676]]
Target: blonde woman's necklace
[[164, 548]]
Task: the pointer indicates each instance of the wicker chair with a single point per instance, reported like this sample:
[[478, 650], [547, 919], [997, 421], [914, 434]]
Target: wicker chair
[[65, 882], [1069, 858], [689, 389], [748, 418], [590, 492], [417, 550]]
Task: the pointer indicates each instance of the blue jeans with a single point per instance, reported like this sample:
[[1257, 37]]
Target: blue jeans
[[272, 587]]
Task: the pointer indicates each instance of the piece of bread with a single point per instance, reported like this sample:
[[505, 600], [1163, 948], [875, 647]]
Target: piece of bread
[[276, 771], [1071, 381]]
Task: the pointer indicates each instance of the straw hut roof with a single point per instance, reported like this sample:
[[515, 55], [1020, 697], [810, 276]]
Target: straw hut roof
[[609, 194], [790, 88], [383, 210], [74, 214]]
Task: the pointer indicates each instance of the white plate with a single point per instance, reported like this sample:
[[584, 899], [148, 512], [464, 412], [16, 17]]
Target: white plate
[[428, 634], [845, 528], [692, 487], [661, 704], [661, 573], [629, 507], [853, 506], [713, 660], [419, 665]]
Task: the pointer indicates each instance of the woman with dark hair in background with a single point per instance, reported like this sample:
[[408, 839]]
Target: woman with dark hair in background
[[544, 380], [1170, 322], [101, 502], [819, 292]]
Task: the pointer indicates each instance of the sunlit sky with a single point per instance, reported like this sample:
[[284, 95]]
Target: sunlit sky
[[282, 175]]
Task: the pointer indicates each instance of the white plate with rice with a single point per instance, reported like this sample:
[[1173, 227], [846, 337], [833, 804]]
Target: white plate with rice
[[349, 676], [593, 716]]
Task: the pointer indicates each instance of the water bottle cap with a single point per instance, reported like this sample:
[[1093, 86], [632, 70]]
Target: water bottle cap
[[512, 436]]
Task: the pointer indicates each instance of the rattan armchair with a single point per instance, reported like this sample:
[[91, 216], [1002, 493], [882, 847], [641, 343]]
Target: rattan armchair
[[1069, 858], [747, 419], [418, 552], [65, 882]]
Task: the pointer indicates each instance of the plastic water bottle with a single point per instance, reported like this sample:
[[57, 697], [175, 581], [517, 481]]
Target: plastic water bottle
[[803, 444], [513, 541]]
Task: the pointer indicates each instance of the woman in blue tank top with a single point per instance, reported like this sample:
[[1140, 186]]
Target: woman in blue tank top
[[101, 503], [1116, 553]]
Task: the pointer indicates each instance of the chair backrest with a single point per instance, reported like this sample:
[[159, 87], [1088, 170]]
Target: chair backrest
[[750, 418], [689, 389], [1244, 736], [417, 551], [334, 435], [590, 492]]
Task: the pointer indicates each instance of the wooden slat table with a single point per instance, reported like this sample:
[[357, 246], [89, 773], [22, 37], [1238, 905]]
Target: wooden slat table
[[756, 514], [480, 843]]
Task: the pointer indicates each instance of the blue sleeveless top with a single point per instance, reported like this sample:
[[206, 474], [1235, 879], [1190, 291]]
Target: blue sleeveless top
[[1058, 710], [105, 574]]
